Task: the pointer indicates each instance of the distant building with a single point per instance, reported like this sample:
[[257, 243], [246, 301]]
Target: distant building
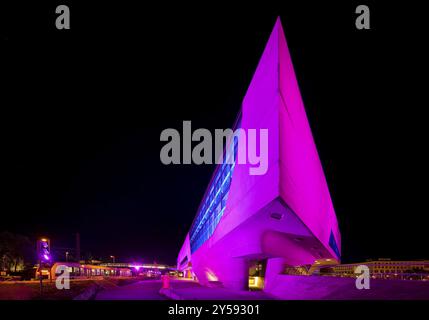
[[137, 265], [77, 270], [380, 269]]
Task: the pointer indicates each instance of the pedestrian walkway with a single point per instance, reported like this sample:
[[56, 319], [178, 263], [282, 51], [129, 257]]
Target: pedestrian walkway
[[191, 290], [179, 289]]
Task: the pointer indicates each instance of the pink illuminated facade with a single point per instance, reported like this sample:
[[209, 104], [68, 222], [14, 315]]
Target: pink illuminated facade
[[282, 218]]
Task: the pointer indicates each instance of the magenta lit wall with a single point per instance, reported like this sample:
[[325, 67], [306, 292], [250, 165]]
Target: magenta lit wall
[[294, 186]]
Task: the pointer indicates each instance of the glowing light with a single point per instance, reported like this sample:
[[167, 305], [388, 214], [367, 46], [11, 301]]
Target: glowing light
[[46, 257], [211, 276], [148, 266], [256, 282]]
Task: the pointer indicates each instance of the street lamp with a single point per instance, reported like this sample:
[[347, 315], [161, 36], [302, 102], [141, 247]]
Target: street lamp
[[44, 256], [67, 256], [113, 258]]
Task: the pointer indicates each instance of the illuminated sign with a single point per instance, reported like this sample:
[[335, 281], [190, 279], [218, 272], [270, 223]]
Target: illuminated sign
[[44, 250]]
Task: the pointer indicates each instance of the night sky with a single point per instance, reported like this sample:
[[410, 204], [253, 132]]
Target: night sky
[[84, 110]]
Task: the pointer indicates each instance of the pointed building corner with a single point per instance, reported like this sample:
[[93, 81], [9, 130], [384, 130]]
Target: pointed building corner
[[284, 217]]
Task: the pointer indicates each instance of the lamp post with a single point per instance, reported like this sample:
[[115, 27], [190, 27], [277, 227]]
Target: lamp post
[[67, 256], [44, 255], [113, 258], [3, 265]]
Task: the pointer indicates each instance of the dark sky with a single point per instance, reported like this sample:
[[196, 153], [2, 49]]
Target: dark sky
[[85, 108]]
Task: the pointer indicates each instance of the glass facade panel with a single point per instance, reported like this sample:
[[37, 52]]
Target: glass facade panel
[[333, 244], [213, 205]]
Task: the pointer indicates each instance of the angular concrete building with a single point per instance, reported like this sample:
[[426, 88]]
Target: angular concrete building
[[249, 228]]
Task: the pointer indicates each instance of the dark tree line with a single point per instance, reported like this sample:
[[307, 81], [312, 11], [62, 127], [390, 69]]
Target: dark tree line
[[16, 251]]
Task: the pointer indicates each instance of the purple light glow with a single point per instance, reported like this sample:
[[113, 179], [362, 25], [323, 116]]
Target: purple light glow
[[46, 257]]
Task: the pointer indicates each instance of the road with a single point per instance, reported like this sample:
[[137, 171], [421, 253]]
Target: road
[[142, 290]]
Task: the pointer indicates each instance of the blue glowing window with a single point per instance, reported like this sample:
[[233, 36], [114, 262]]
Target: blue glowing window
[[333, 244], [214, 203]]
